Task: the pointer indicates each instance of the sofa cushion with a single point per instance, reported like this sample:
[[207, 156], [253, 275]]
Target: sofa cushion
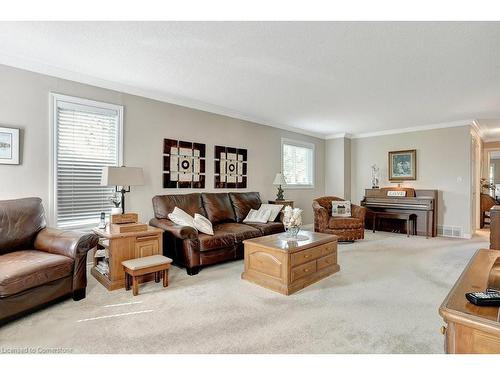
[[345, 223], [257, 216], [181, 217], [243, 202], [165, 204], [240, 232], [203, 225], [218, 207], [26, 269], [20, 222], [271, 227], [219, 240]]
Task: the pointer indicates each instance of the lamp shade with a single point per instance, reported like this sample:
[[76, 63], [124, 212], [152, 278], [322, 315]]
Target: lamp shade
[[122, 176], [279, 179]]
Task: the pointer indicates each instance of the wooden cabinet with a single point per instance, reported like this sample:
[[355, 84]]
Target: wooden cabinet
[[118, 247], [468, 328], [146, 246]]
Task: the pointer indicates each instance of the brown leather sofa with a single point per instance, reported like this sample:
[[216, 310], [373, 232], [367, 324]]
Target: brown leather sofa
[[346, 228], [38, 265], [226, 211]]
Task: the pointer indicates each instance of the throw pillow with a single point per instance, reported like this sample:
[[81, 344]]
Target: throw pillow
[[341, 208], [181, 217], [274, 208], [203, 224], [257, 216]]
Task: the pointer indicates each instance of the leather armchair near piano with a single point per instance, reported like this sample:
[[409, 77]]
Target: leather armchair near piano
[[346, 228], [38, 265]]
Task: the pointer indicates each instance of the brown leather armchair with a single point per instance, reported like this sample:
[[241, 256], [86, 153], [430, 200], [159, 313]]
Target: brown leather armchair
[[346, 228], [38, 265]]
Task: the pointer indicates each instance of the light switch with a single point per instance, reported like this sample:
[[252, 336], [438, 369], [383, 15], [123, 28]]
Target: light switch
[[459, 179]]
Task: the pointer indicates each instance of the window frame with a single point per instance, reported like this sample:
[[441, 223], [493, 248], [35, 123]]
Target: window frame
[[309, 145], [54, 98]]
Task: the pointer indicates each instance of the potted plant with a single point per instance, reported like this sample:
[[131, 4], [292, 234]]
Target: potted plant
[[116, 200]]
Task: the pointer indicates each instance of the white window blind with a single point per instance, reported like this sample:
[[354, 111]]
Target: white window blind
[[87, 138], [297, 163]]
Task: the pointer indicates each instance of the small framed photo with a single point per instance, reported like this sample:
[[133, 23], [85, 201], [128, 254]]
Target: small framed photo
[[9, 146], [402, 165]]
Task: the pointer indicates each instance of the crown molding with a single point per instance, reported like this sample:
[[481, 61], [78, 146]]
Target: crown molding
[[54, 71], [492, 139], [478, 129], [412, 129], [339, 135]]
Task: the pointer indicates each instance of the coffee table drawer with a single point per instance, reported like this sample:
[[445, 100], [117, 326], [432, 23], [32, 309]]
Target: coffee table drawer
[[326, 261], [303, 270], [329, 248], [305, 256]]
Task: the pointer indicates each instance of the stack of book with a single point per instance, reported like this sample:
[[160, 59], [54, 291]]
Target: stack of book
[[103, 267]]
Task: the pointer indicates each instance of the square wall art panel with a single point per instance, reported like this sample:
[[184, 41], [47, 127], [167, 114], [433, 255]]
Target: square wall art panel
[[230, 167], [183, 164]]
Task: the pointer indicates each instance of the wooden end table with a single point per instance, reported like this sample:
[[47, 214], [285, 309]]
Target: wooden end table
[[119, 247], [283, 202]]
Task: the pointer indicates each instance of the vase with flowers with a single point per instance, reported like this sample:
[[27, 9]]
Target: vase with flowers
[[292, 220]]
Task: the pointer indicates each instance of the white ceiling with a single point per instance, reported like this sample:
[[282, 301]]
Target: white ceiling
[[323, 78]]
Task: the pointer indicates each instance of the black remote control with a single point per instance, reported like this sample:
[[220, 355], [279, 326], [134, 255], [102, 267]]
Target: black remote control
[[488, 298]]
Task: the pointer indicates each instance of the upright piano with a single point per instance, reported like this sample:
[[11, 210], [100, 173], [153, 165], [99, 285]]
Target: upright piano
[[422, 203]]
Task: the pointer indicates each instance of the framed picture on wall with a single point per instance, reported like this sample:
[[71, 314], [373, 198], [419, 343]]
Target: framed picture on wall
[[9, 146], [230, 168], [402, 165], [183, 164]]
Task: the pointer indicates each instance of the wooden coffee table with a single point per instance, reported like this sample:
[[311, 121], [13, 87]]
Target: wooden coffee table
[[288, 266]]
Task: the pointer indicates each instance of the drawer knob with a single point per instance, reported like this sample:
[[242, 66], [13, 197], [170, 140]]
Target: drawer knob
[[443, 330], [306, 269], [306, 256]]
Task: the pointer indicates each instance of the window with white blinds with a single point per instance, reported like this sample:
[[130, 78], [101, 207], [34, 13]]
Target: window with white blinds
[[87, 137], [297, 162]]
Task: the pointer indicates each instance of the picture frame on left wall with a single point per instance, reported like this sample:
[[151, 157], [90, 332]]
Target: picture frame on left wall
[[9, 145]]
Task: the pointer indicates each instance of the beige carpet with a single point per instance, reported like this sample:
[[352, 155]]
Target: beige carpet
[[385, 299]]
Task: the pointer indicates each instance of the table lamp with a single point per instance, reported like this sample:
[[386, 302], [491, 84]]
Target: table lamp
[[278, 181], [123, 177]]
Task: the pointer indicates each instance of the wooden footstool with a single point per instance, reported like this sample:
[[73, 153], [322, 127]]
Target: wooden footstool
[[157, 264]]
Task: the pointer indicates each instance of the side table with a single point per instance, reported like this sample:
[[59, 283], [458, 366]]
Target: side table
[[283, 202], [114, 248]]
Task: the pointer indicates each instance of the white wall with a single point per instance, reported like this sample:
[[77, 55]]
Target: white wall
[[24, 104], [443, 163], [338, 167]]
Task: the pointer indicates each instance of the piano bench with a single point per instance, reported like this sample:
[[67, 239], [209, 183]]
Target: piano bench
[[397, 216]]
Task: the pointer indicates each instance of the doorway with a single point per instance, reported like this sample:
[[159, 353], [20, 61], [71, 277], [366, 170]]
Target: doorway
[[490, 184]]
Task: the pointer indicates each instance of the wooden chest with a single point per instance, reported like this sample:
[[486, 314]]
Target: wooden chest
[[288, 266]]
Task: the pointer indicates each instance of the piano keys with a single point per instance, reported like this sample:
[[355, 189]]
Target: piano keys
[[422, 203]]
